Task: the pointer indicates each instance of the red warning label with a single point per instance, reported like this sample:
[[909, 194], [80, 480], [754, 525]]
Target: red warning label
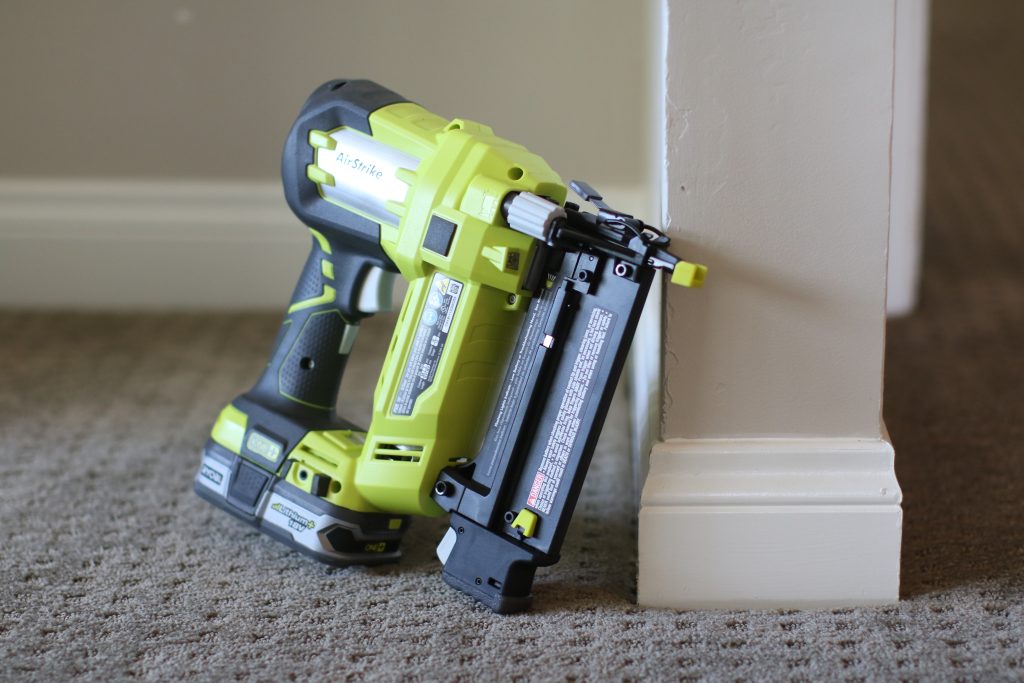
[[538, 482]]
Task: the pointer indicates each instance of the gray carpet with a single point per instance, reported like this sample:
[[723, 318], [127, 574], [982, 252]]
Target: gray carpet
[[112, 569]]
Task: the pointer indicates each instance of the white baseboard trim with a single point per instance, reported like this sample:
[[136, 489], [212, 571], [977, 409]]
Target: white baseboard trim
[[770, 523], [147, 245], [158, 245]]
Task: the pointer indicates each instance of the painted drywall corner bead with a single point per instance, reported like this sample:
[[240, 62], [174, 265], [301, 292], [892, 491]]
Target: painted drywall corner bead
[[799, 231]]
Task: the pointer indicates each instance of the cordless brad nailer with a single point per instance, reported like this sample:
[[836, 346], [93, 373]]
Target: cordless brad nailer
[[512, 336]]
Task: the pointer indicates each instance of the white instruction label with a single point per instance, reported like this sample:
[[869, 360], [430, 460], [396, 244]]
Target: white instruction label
[[566, 427]]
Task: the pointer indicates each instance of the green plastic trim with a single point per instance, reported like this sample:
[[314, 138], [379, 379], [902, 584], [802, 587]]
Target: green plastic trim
[[229, 429], [328, 296]]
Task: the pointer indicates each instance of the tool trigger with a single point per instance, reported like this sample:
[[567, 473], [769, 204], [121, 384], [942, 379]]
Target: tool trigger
[[376, 290]]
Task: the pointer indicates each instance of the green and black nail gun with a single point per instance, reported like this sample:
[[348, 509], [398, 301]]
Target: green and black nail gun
[[519, 313]]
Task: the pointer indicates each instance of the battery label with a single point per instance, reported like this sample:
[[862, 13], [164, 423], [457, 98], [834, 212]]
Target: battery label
[[428, 344], [565, 430]]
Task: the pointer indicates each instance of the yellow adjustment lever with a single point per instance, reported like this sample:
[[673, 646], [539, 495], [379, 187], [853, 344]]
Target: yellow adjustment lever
[[526, 522], [689, 274]]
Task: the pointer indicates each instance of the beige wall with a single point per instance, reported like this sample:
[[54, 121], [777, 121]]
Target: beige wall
[[207, 90], [778, 143]]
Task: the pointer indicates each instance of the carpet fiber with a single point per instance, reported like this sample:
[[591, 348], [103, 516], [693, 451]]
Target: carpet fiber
[[113, 569]]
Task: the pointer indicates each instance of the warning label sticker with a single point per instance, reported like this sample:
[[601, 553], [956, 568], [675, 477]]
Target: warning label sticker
[[428, 344], [566, 427]]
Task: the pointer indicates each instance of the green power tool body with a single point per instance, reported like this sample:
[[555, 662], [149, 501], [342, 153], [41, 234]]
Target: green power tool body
[[519, 312]]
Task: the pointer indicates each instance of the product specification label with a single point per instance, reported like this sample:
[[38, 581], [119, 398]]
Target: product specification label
[[565, 430], [428, 344]]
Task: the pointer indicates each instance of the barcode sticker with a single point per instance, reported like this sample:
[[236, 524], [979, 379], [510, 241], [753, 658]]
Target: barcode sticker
[[431, 335]]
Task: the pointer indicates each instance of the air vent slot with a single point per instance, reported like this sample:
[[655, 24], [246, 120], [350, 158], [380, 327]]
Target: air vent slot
[[398, 452]]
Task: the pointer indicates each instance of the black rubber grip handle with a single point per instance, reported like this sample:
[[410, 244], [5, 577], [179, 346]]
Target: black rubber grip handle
[[309, 356]]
